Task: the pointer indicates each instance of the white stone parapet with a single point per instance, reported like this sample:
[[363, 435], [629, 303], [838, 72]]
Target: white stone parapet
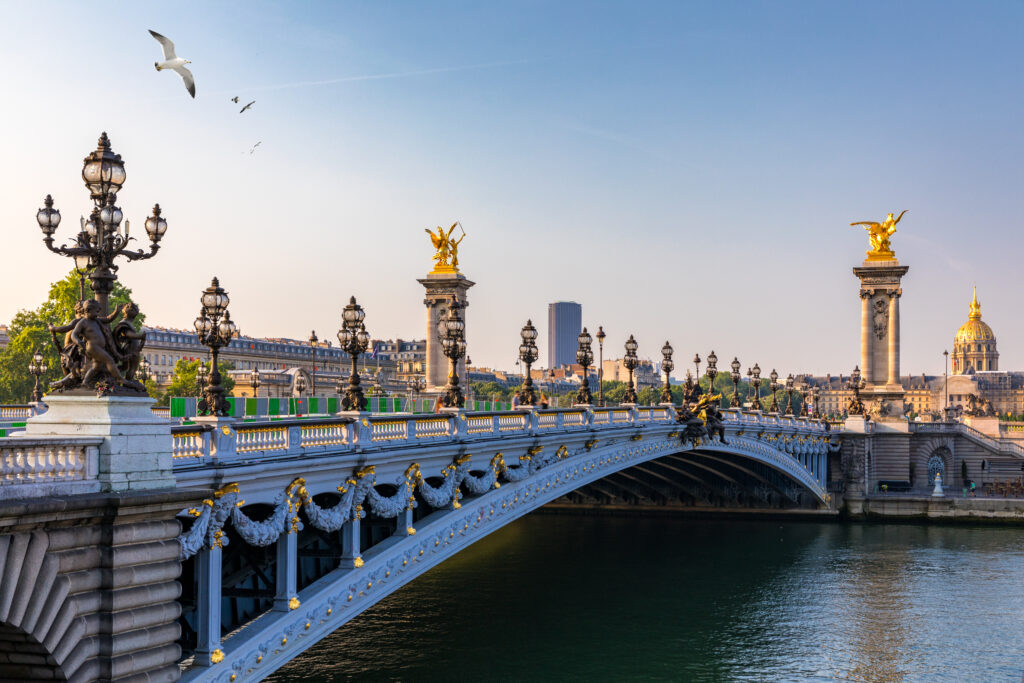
[[48, 467]]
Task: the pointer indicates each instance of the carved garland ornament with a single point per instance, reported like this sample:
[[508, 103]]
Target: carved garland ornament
[[207, 531]]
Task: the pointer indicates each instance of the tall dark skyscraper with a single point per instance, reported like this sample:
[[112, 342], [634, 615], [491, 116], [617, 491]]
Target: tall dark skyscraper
[[565, 320]]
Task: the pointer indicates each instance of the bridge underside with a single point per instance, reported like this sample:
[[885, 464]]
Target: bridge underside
[[694, 479]]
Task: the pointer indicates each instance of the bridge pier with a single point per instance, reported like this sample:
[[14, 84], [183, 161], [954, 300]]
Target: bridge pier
[[286, 571], [208, 605], [350, 544]]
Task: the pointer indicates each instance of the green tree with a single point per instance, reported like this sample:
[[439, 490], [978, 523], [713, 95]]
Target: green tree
[[183, 380], [29, 332], [485, 391]]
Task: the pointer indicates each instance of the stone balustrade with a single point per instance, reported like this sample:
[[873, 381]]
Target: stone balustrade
[[41, 467], [197, 443]]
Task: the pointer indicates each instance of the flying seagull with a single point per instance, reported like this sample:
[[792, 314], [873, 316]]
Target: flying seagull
[[255, 146], [174, 62], [235, 99], [247, 106]]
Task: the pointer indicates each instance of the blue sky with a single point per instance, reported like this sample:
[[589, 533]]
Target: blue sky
[[685, 171]]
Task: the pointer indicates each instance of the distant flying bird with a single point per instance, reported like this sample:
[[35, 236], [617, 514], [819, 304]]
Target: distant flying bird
[[247, 106], [235, 99], [174, 63], [255, 146]]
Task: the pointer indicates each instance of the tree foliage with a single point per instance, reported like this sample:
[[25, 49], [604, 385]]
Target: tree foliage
[[183, 380], [28, 332]]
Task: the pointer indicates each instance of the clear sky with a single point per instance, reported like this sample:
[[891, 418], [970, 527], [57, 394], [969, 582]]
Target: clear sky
[[685, 171]]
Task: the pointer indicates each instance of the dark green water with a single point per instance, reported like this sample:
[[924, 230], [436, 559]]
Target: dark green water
[[554, 598]]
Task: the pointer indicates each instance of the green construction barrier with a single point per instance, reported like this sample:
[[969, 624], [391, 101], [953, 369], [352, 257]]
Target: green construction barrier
[[332, 405], [178, 407], [314, 404], [251, 406], [274, 406]]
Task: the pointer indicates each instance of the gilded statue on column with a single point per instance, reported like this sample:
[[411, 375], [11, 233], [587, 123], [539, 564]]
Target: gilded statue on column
[[446, 254], [878, 236]]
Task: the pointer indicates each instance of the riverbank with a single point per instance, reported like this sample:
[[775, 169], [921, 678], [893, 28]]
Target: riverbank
[[903, 508], [887, 508]]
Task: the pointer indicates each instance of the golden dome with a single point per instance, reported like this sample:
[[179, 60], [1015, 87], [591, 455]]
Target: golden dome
[[974, 329]]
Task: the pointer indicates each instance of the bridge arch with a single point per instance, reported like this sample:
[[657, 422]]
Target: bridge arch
[[41, 635], [467, 502]]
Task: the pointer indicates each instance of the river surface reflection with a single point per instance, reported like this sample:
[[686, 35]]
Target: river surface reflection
[[563, 598]]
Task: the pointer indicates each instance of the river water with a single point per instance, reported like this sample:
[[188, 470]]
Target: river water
[[566, 598]]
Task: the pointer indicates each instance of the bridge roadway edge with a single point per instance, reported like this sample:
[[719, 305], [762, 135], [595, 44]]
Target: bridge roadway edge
[[275, 638]]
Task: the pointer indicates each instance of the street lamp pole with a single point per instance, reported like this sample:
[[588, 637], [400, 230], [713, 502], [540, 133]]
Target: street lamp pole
[[735, 376], [667, 366], [945, 384], [254, 382], [96, 248], [453, 343], [584, 356], [631, 362], [312, 375], [215, 331], [755, 379], [600, 365], [528, 355], [712, 372], [36, 367], [789, 394], [774, 385], [696, 373], [354, 339]]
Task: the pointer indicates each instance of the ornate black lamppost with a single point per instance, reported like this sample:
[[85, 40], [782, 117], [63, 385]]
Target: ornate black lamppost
[[774, 386], [667, 366], [453, 344], [254, 382], [145, 370], [631, 362], [735, 376], [215, 330], [755, 379], [600, 365], [696, 371], [354, 339], [300, 384], [856, 406], [584, 356], [101, 239], [36, 368], [528, 355], [416, 385], [201, 374], [312, 374], [789, 394], [712, 372], [945, 387], [816, 396], [96, 247]]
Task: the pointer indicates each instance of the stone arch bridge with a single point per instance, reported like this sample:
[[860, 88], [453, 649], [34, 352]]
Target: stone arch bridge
[[276, 533]]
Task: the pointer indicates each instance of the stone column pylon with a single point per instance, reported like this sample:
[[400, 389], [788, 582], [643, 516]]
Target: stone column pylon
[[440, 288], [880, 292]]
